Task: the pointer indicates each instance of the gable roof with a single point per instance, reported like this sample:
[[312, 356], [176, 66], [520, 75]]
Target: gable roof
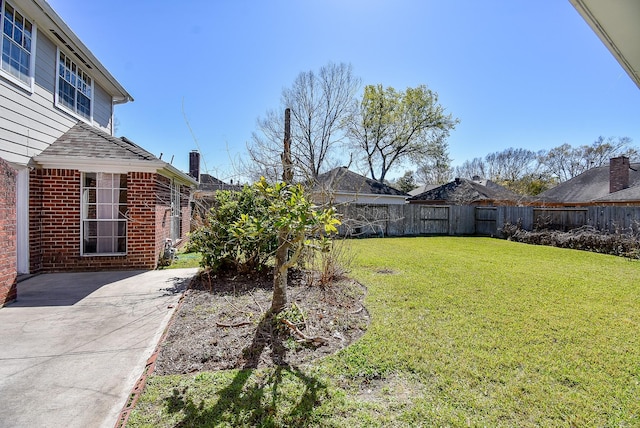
[[85, 148], [593, 185], [422, 189], [209, 183], [462, 190], [341, 180]]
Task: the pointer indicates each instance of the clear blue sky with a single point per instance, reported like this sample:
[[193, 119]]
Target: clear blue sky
[[528, 74]]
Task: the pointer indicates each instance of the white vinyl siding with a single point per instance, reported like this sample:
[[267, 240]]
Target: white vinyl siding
[[104, 208], [30, 121], [17, 42]]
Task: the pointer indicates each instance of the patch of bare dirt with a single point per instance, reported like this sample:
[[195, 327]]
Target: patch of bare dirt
[[223, 323]]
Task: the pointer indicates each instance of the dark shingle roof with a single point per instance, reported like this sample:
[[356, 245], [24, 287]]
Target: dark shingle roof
[[209, 183], [344, 181], [593, 185], [462, 191], [83, 140]]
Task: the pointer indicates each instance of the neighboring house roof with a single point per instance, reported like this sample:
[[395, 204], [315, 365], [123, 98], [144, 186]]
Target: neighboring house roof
[[209, 183], [422, 189], [593, 186], [616, 24], [341, 180], [463, 191], [84, 147]]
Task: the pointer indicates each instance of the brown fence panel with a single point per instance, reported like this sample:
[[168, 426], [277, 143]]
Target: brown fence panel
[[615, 219], [434, 219], [486, 221], [562, 219]]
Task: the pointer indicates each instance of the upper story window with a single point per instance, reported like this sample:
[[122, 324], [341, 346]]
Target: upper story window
[[18, 42], [75, 87]]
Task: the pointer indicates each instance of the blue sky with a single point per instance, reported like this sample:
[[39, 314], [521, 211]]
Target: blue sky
[[528, 74]]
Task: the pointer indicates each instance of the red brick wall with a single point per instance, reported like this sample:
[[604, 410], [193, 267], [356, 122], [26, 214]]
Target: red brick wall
[[8, 219], [55, 224]]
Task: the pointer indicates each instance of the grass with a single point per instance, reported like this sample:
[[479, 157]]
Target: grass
[[464, 332], [185, 260]]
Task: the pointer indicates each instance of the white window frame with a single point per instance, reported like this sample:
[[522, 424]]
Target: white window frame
[[30, 78], [108, 213], [72, 74]]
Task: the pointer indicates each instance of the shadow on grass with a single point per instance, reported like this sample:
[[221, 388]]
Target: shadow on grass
[[283, 394]]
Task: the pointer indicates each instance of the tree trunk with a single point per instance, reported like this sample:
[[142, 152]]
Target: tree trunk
[[280, 300]]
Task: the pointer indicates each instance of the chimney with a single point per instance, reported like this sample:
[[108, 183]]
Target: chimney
[[194, 164], [618, 173]]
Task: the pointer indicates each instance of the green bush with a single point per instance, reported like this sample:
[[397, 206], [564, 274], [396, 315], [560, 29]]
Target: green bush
[[238, 233], [241, 231]]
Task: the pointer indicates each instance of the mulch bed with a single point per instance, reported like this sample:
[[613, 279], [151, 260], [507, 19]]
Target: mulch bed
[[223, 323]]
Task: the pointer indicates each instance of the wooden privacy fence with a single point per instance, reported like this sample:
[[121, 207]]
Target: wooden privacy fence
[[457, 220]]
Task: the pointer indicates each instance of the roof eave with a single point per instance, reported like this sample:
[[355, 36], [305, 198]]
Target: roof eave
[[104, 77], [92, 164], [601, 30]]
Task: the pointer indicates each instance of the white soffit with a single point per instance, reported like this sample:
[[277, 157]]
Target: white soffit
[[617, 23]]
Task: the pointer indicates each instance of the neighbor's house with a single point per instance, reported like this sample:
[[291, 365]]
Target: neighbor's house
[[73, 196], [462, 191], [341, 186], [616, 184]]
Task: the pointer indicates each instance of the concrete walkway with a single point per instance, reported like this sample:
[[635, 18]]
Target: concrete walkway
[[74, 344]]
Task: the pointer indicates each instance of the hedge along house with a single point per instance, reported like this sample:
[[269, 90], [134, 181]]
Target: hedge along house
[[54, 93]]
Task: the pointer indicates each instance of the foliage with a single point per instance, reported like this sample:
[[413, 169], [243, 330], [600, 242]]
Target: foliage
[[330, 260], [238, 232], [566, 162], [530, 173], [319, 104], [391, 127], [406, 183], [587, 238], [464, 332], [436, 167], [241, 230]]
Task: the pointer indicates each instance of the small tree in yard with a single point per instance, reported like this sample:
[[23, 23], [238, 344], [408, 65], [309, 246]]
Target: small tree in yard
[[296, 220], [269, 222]]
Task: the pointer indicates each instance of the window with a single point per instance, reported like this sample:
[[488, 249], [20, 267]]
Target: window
[[75, 87], [104, 208], [18, 42]]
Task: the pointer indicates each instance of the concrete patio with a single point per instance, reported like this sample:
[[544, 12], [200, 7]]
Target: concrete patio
[[74, 344]]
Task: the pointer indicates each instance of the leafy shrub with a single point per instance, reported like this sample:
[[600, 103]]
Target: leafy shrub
[[242, 230], [587, 238], [237, 234]]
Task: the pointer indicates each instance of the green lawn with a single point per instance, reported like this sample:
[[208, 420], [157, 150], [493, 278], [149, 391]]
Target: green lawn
[[464, 332]]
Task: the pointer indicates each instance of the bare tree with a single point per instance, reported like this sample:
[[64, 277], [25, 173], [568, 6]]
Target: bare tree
[[565, 162], [319, 104], [470, 169]]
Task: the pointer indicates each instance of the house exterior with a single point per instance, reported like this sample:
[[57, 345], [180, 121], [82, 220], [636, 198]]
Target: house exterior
[[82, 199], [341, 186], [615, 184], [468, 192]]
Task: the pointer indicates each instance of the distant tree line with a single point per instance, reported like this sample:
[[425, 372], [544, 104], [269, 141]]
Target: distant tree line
[[530, 173], [381, 129]]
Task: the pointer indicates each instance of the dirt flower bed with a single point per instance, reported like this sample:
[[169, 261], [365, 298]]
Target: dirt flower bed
[[223, 323]]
